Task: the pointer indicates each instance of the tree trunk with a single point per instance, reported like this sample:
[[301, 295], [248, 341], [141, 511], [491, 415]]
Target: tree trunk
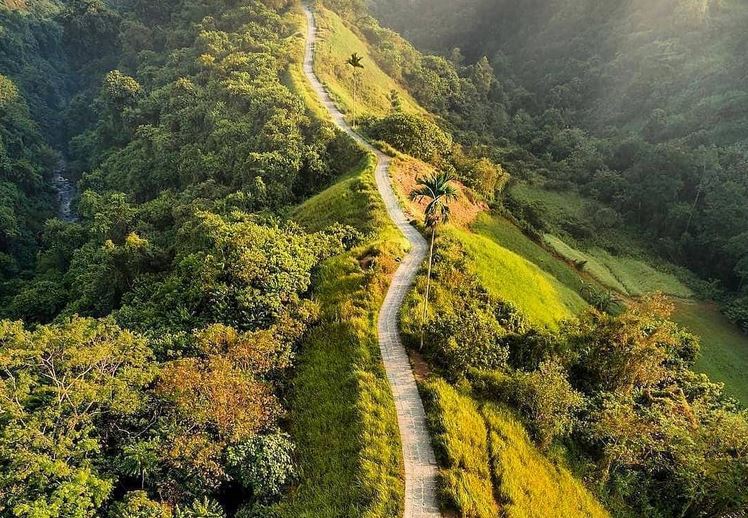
[[353, 123], [428, 285]]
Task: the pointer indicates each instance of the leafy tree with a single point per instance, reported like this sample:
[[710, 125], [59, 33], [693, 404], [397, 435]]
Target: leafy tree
[[547, 399], [63, 386], [412, 134], [136, 504], [264, 464]]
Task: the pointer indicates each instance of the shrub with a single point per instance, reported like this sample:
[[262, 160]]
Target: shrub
[[136, 504], [547, 399], [263, 464], [412, 134], [467, 338]]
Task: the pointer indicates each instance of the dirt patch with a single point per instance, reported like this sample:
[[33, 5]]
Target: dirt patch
[[15, 5], [405, 171], [421, 369]]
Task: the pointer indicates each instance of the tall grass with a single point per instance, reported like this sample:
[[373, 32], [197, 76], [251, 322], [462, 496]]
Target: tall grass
[[541, 297], [337, 42], [529, 485], [460, 440]]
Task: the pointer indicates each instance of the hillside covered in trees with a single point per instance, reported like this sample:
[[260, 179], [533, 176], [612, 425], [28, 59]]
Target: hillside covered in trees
[[200, 339], [638, 104]]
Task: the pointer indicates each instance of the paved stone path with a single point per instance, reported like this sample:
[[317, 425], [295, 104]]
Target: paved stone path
[[418, 455]]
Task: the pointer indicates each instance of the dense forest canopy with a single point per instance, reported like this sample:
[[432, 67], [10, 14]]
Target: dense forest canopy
[[641, 105]]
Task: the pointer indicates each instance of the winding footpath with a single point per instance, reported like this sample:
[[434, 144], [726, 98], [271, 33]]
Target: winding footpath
[[418, 455]]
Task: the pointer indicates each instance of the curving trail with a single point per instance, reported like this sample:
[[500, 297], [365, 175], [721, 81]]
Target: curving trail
[[418, 455]]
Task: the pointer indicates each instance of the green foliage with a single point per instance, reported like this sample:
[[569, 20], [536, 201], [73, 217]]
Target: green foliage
[[547, 399], [263, 464], [204, 508], [136, 504], [411, 134], [63, 387]]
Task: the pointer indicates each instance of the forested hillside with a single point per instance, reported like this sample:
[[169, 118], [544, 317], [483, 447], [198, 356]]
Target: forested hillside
[[641, 105], [200, 340], [150, 344]]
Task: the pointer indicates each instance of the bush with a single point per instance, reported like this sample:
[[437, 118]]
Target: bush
[[467, 339], [263, 464], [412, 134], [547, 400], [136, 504]]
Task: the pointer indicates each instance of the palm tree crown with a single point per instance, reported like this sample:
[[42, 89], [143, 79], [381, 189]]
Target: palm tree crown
[[355, 61], [439, 192]]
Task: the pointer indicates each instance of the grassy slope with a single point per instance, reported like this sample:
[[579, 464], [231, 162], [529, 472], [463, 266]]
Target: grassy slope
[[539, 295], [337, 42], [724, 349], [342, 412], [489, 461], [627, 274], [530, 486], [509, 265]]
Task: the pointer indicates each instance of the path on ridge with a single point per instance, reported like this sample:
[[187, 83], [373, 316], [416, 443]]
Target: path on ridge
[[418, 455]]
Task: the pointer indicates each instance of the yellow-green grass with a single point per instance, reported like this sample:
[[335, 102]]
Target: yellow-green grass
[[335, 45], [461, 445], [542, 298], [557, 205], [626, 275], [504, 232], [342, 414], [528, 484], [590, 264], [353, 200], [724, 349]]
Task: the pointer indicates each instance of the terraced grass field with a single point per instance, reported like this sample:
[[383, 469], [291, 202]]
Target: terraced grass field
[[626, 275]]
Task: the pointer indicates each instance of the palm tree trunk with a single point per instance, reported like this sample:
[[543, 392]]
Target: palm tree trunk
[[354, 100], [428, 285]]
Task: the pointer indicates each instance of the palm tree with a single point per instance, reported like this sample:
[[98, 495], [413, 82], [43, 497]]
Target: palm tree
[[355, 62], [439, 192]]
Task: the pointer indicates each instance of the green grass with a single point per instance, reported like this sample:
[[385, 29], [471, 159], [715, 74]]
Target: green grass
[[461, 445], [489, 466], [724, 349], [335, 45], [626, 275], [529, 485], [558, 206], [542, 298], [592, 266], [505, 233], [353, 200], [342, 413]]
